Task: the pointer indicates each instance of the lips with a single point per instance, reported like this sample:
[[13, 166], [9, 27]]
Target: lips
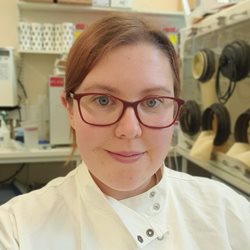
[[126, 157]]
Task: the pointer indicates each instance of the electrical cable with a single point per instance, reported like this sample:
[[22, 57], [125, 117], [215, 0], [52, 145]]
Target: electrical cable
[[241, 127], [190, 118], [234, 64], [23, 88], [19, 81], [14, 175], [223, 122]]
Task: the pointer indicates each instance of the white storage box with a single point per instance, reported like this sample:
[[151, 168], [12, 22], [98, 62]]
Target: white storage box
[[121, 3]]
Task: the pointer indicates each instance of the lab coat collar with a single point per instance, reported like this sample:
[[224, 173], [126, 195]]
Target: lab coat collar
[[143, 216]]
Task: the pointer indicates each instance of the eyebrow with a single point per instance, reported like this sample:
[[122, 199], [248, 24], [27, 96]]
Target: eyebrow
[[146, 91], [101, 87], [156, 89]]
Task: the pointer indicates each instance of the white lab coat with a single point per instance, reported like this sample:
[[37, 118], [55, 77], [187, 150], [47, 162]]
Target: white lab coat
[[180, 213]]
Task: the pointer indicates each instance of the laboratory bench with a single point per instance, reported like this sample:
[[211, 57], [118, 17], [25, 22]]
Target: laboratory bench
[[229, 175], [232, 177], [59, 154]]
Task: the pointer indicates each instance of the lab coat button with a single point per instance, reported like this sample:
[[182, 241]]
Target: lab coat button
[[150, 232], [152, 194], [160, 238], [156, 206], [139, 238]]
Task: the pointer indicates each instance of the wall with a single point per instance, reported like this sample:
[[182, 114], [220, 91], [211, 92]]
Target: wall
[[158, 5], [8, 23]]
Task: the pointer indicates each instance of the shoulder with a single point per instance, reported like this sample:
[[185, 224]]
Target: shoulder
[[46, 215], [38, 209], [210, 204], [41, 201], [207, 191]]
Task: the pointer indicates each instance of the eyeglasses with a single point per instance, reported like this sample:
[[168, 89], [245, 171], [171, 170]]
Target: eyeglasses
[[101, 109]]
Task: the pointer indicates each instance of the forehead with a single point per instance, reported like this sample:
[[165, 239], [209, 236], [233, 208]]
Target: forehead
[[129, 70]]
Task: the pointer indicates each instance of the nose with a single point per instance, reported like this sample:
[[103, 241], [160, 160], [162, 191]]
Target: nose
[[128, 126]]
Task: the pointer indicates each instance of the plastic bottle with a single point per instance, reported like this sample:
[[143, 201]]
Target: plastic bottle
[[4, 134]]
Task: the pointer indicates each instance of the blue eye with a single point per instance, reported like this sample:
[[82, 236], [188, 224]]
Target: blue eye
[[151, 103], [103, 100]]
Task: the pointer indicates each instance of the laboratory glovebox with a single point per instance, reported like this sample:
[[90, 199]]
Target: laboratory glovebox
[[8, 82], [58, 121]]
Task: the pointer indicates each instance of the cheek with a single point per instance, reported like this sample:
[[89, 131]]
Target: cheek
[[83, 131], [160, 141], [86, 137], [89, 138]]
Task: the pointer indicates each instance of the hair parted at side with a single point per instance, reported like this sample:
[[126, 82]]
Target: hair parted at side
[[108, 33]]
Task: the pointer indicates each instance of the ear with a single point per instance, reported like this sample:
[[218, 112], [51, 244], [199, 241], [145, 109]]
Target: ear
[[69, 108]]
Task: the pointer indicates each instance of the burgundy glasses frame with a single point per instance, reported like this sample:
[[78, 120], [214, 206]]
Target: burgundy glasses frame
[[127, 104]]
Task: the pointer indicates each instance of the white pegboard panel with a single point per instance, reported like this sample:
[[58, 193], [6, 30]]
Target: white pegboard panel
[[24, 35]]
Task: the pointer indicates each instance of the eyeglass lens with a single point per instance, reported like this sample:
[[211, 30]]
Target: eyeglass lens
[[103, 110]]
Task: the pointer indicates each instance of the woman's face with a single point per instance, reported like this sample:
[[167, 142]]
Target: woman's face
[[123, 157]]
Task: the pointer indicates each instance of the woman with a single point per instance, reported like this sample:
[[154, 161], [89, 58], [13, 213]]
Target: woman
[[121, 96]]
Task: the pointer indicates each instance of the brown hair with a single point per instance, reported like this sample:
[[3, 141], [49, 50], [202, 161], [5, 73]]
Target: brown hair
[[110, 32]]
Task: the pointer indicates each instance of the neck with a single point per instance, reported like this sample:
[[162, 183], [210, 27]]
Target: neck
[[121, 195]]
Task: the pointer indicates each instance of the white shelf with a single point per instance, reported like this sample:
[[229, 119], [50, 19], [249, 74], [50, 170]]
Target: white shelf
[[40, 52], [240, 182], [37, 155], [58, 13], [87, 8]]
